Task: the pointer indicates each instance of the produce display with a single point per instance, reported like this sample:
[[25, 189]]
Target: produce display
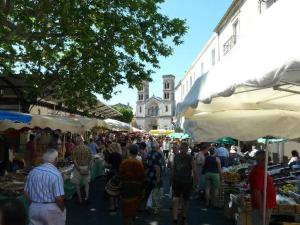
[[229, 177], [12, 184], [238, 168], [288, 188], [284, 200]]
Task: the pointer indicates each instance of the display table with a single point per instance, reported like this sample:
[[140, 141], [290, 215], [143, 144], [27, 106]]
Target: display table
[[241, 211], [70, 188]]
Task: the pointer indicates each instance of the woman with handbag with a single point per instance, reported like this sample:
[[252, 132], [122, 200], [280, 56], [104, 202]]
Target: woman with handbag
[[114, 160]]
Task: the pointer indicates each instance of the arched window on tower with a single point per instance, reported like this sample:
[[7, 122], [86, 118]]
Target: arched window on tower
[[141, 97], [140, 109], [166, 95], [167, 108], [167, 85]]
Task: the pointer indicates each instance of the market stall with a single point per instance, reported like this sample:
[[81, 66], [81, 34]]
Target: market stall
[[161, 132], [253, 96], [179, 136], [116, 125], [235, 193], [12, 183]]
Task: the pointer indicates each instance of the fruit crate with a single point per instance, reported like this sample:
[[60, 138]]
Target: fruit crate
[[287, 208], [297, 209]]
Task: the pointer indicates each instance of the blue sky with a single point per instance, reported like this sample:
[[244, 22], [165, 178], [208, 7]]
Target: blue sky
[[201, 16]]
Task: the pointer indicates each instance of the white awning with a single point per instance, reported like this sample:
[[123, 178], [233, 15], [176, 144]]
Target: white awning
[[268, 56], [8, 124], [245, 125], [63, 124], [117, 125], [67, 124], [254, 91]]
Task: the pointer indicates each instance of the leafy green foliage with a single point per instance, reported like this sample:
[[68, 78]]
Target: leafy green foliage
[[72, 49], [127, 113]]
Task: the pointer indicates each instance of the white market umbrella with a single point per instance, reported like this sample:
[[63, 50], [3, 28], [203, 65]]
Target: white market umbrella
[[254, 90]]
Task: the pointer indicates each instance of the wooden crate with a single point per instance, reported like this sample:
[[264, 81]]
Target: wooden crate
[[276, 209], [248, 207], [286, 223], [249, 219], [287, 208], [244, 219], [297, 209]]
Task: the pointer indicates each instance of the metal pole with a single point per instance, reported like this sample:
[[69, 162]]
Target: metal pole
[[265, 183]]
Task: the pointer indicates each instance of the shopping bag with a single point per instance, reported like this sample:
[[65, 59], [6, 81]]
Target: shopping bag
[[170, 192], [149, 201]]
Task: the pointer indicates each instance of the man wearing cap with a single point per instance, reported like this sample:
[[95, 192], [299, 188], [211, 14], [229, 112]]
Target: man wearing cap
[[256, 180], [45, 191]]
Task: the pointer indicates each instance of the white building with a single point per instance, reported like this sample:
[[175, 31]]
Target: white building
[[231, 28], [156, 112]]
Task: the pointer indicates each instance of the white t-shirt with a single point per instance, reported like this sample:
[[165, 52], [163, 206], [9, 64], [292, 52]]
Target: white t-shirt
[[293, 159], [253, 152], [166, 145], [138, 157]]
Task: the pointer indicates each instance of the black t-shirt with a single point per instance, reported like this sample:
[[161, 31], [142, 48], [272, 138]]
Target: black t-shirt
[[183, 168], [115, 159]]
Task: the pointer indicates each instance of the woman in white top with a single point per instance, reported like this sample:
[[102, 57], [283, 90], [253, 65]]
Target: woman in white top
[[294, 159]]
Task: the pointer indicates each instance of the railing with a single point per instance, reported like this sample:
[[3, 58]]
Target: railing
[[229, 44]]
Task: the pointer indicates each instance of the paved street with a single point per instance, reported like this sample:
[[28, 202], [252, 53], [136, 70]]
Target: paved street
[[83, 215]]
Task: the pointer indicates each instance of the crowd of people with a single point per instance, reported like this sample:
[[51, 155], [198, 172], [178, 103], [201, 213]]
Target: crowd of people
[[135, 168]]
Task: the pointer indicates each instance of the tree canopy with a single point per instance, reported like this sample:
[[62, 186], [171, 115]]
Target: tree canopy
[[127, 113], [72, 49]]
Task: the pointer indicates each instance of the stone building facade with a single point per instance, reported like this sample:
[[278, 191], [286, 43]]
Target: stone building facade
[[155, 112]]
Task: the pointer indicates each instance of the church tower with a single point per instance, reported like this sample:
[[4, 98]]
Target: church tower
[[169, 95], [143, 96]]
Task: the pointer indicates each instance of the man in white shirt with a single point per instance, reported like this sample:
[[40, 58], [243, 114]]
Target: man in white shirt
[[44, 189]]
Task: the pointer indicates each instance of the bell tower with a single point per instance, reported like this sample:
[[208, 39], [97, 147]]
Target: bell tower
[[169, 94], [143, 96]]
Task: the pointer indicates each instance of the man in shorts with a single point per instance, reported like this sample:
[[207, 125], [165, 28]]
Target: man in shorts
[[184, 174], [82, 158]]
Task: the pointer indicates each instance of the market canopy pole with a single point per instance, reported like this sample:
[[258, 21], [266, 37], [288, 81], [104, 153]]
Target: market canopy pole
[[265, 182]]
